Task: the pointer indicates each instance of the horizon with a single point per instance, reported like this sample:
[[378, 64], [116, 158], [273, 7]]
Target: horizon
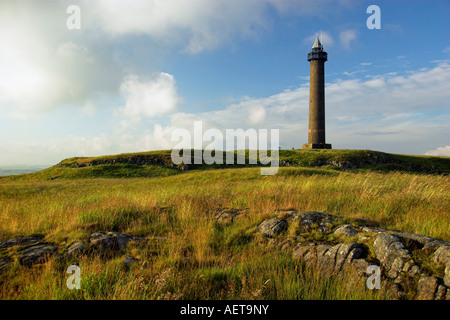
[[134, 72]]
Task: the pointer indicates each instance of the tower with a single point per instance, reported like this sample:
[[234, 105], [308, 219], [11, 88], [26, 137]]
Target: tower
[[316, 130]]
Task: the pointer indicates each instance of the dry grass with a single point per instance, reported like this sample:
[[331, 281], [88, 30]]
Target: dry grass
[[200, 259]]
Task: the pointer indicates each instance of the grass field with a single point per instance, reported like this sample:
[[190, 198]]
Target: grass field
[[188, 255]]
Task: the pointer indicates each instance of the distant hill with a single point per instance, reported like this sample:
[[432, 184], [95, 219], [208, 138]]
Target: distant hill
[[17, 170], [159, 163]]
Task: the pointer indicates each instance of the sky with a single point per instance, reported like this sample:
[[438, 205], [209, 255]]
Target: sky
[[135, 71]]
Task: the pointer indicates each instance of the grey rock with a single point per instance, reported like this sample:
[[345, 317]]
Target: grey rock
[[360, 266], [417, 241], [395, 292], [308, 217], [5, 263], [432, 246], [128, 261], [228, 215], [442, 256], [312, 220], [301, 250], [21, 241], [346, 229], [414, 271], [334, 258], [37, 254], [75, 249], [391, 253], [316, 253], [426, 288], [440, 292], [272, 227], [373, 229], [113, 241]]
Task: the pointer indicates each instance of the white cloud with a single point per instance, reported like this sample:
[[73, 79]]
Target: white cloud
[[441, 151], [148, 97], [256, 115], [44, 66], [346, 37], [325, 38], [200, 25], [195, 25]]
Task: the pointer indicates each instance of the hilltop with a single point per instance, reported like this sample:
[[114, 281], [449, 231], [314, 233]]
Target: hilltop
[[159, 164], [147, 229]]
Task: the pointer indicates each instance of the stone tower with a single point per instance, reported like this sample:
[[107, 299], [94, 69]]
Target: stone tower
[[316, 130]]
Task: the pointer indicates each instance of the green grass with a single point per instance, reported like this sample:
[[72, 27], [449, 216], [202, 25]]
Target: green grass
[[127, 165], [187, 254]]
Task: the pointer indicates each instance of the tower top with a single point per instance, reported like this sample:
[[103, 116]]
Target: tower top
[[317, 52], [317, 46]]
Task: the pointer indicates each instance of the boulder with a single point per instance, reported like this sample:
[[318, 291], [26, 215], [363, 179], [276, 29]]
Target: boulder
[[21, 241], [373, 229], [228, 215], [417, 241], [272, 227], [346, 229], [316, 253], [395, 291], [392, 254], [75, 249], [432, 246], [128, 261], [441, 292], [5, 263], [37, 254], [300, 250], [110, 241], [313, 220], [344, 253], [442, 256], [427, 288]]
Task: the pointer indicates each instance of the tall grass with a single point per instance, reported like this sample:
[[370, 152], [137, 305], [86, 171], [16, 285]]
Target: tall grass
[[188, 255]]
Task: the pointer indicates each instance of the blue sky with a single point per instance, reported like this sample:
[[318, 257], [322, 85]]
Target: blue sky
[[137, 70]]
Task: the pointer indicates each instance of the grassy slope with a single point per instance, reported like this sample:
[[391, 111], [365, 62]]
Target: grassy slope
[[197, 258], [363, 159]]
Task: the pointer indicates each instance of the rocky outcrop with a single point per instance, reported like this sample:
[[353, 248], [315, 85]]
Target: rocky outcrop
[[75, 249], [346, 229], [5, 263], [393, 255], [21, 241], [331, 259], [442, 257], [426, 288], [37, 254], [110, 241], [32, 250], [272, 227], [391, 251], [136, 160], [228, 215]]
